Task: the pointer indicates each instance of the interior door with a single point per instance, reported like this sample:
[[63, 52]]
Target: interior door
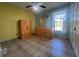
[[25, 28], [75, 28]]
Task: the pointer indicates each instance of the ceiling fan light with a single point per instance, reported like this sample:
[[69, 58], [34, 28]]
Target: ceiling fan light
[[35, 8]]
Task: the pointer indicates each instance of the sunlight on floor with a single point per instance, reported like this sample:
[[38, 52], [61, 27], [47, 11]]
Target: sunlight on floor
[[57, 47]]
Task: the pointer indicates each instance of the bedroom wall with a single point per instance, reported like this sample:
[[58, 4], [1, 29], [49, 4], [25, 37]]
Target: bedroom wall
[[49, 22], [9, 16]]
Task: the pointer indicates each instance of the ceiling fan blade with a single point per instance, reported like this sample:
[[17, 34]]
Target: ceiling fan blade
[[42, 6], [28, 6]]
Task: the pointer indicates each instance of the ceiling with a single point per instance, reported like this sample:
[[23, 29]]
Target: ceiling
[[49, 5]]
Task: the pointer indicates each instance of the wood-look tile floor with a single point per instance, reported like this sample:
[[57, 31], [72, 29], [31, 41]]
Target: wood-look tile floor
[[38, 47]]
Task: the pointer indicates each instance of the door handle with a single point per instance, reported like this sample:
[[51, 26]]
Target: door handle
[[75, 29]]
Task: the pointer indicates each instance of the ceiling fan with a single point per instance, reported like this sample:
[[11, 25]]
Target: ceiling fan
[[39, 4]]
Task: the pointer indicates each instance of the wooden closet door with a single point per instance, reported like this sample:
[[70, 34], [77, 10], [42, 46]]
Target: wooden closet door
[[25, 28]]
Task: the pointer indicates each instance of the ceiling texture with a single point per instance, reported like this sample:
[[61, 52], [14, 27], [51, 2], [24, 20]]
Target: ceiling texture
[[49, 5]]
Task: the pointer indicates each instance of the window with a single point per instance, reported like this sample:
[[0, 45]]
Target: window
[[59, 20]]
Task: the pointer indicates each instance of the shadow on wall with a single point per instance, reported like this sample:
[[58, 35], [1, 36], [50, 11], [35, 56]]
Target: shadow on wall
[[18, 28]]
